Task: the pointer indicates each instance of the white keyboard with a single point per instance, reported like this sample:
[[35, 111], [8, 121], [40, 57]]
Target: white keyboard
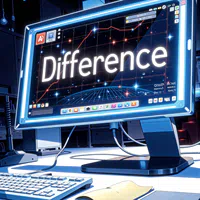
[[19, 186]]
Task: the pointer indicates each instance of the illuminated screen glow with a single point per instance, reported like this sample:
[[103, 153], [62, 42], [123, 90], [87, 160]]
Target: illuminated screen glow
[[116, 63]]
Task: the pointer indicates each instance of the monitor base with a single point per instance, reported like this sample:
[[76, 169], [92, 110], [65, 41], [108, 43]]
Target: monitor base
[[16, 158], [145, 166]]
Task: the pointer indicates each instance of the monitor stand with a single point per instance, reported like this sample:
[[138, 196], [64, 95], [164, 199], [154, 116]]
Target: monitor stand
[[164, 154]]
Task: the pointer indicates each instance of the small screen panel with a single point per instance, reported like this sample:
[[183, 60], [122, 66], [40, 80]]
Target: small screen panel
[[125, 60], [116, 63]]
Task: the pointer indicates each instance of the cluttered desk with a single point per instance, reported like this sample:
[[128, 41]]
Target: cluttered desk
[[123, 61]]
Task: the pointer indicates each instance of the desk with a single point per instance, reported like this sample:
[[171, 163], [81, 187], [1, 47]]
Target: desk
[[186, 181]]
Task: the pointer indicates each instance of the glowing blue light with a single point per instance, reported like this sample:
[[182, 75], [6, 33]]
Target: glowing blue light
[[56, 94], [136, 86], [105, 84], [82, 99], [94, 29], [98, 80], [132, 29], [170, 37], [99, 96], [63, 51], [57, 45], [41, 51]]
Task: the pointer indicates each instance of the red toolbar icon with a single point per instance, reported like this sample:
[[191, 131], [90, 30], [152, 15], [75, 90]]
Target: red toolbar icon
[[40, 38]]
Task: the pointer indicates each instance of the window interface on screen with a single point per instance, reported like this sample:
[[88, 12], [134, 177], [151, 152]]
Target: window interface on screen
[[125, 61]]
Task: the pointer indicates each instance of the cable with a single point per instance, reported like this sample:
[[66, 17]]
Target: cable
[[78, 157], [182, 153], [117, 143], [189, 146], [56, 158], [140, 143]]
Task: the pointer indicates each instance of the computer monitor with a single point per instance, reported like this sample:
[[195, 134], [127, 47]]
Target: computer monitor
[[121, 61]]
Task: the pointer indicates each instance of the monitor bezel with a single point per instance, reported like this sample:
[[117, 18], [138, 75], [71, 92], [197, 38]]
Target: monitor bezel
[[197, 90], [183, 106]]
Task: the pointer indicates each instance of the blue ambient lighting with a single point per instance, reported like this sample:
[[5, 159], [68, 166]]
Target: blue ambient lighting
[[170, 37], [136, 86], [27, 68], [94, 29], [63, 51]]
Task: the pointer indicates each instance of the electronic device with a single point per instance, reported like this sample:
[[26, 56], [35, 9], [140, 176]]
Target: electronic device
[[121, 61], [197, 88], [112, 63], [23, 186], [37, 141]]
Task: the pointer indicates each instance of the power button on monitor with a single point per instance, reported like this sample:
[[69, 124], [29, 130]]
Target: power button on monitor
[[189, 44]]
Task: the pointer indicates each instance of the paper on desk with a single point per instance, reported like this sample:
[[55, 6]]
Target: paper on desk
[[126, 190]]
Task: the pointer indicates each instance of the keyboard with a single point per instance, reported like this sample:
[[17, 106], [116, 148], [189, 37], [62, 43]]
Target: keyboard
[[19, 186]]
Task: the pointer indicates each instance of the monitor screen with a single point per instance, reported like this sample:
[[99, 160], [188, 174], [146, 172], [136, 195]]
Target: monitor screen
[[124, 63]]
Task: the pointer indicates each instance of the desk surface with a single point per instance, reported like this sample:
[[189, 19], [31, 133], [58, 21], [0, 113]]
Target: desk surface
[[186, 181]]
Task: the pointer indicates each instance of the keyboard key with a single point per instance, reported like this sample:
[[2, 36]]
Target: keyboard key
[[47, 191], [30, 192], [32, 189], [79, 179], [62, 178], [72, 178], [37, 193], [55, 185], [54, 182], [54, 178], [48, 177], [60, 186], [11, 190], [71, 184], [4, 188], [46, 185], [18, 191], [40, 187], [61, 189], [24, 191], [50, 195], [42, 194]]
